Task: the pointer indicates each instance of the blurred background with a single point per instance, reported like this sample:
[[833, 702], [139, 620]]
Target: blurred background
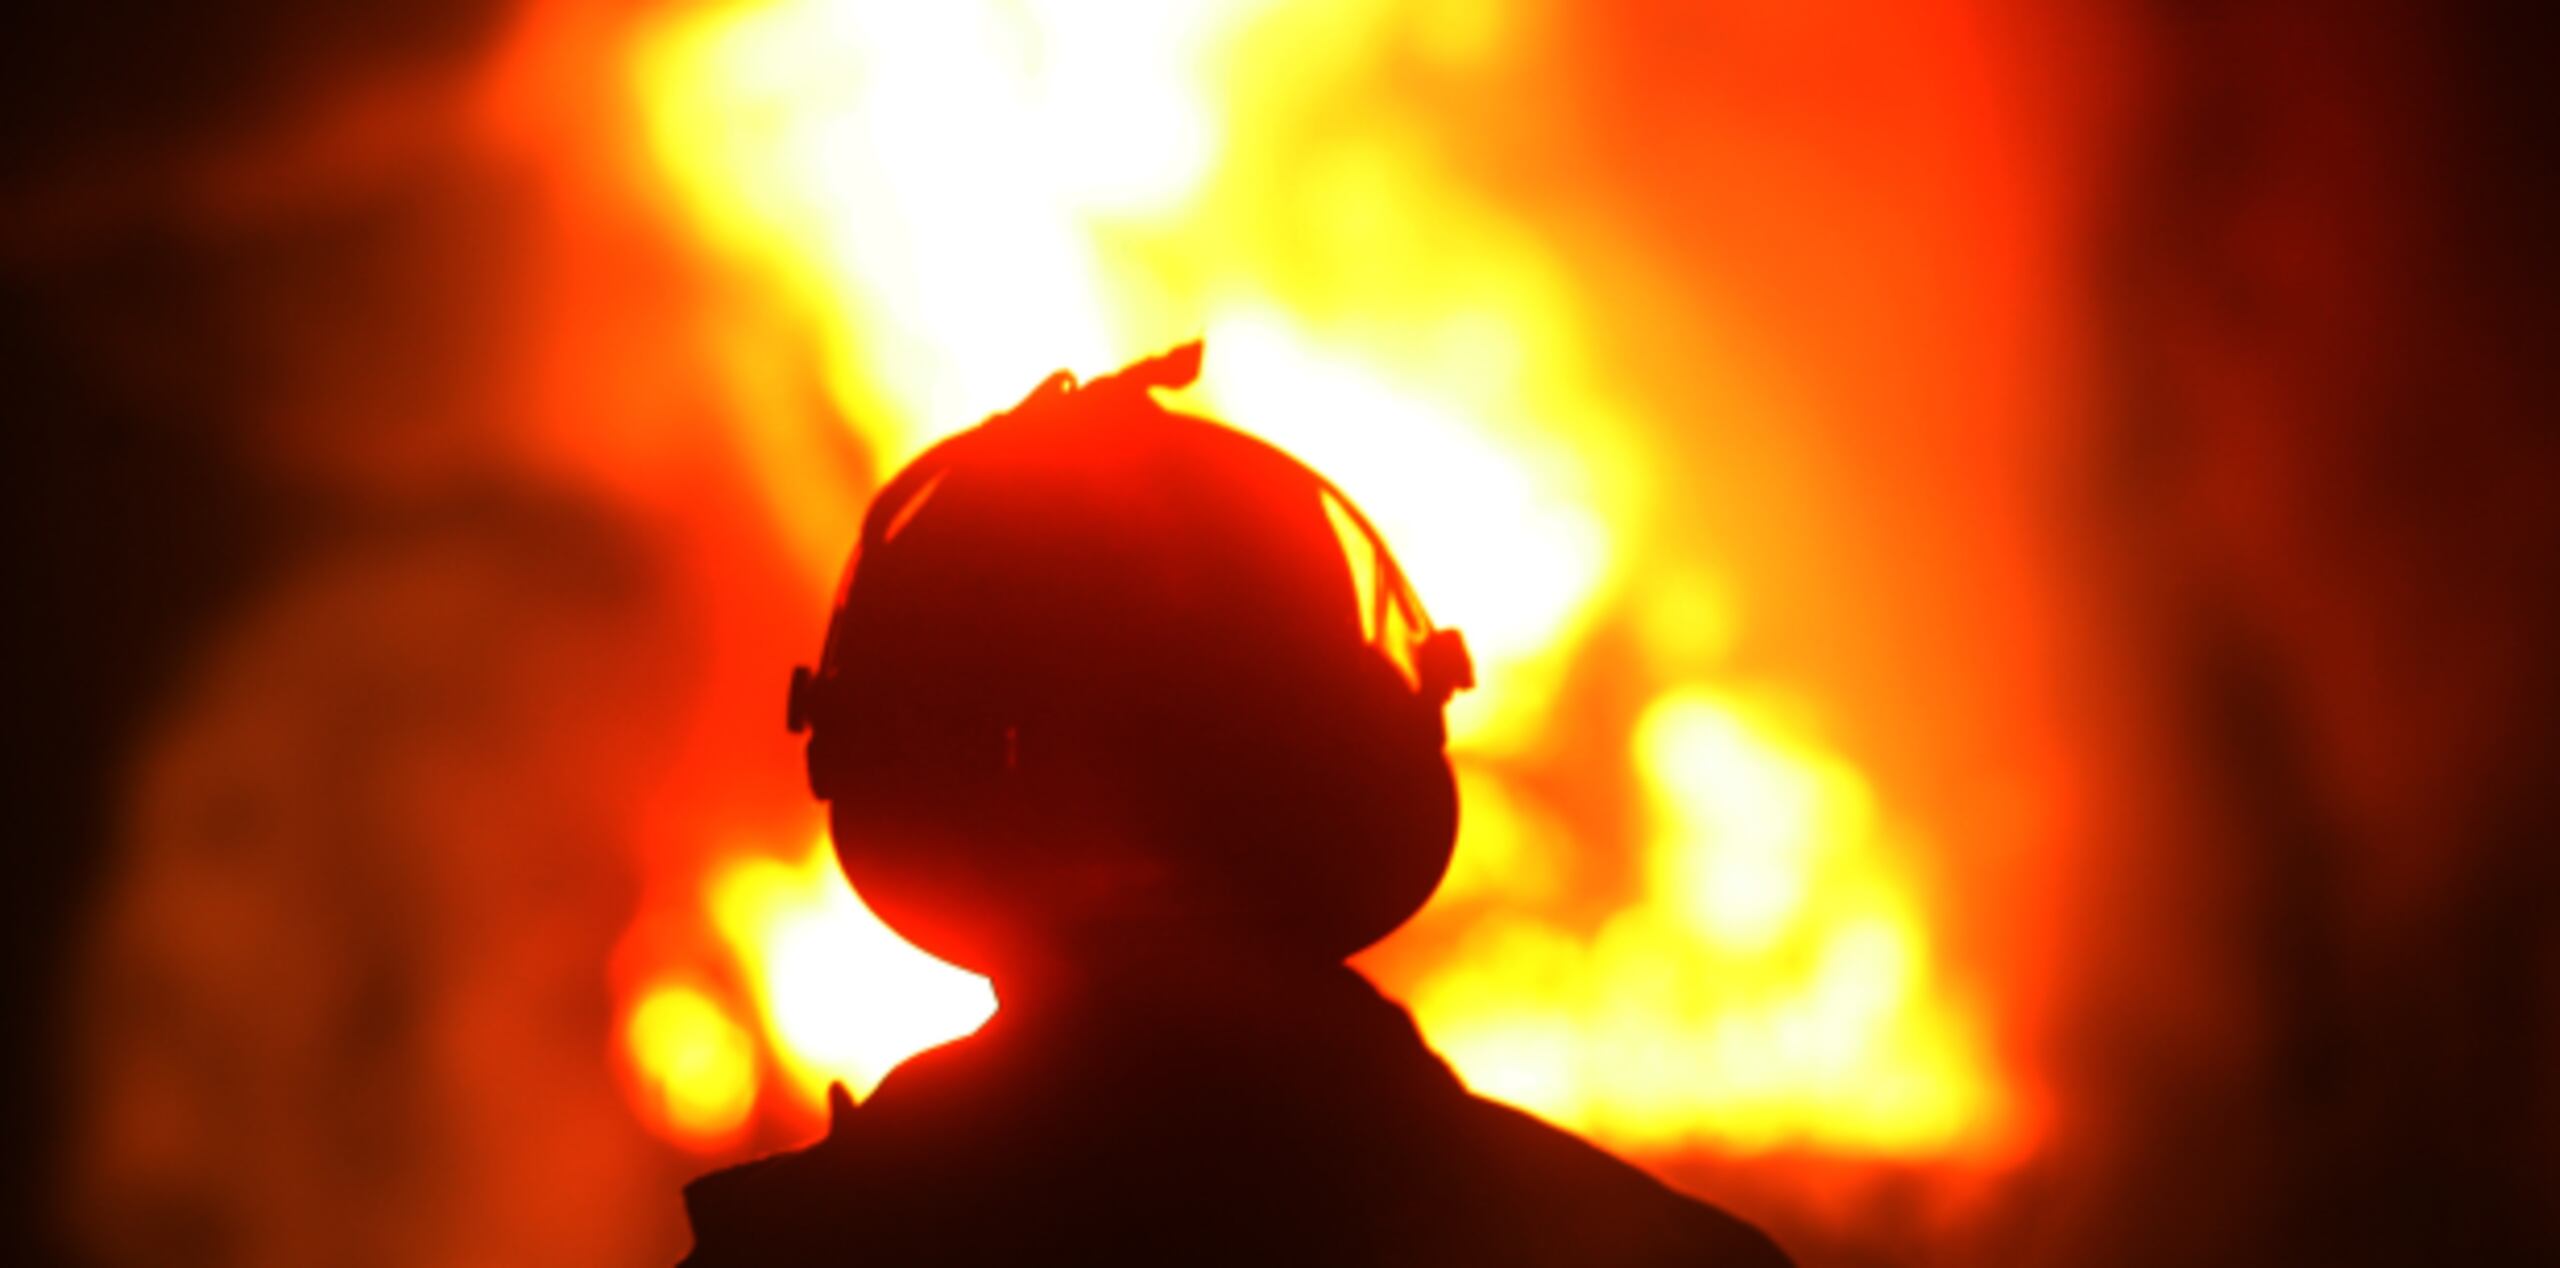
[[2011, 548]]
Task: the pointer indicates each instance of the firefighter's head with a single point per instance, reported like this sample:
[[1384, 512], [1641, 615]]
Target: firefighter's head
[[1108, 682]]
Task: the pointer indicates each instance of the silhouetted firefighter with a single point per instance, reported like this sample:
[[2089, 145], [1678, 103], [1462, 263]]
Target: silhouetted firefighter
[[1137, 716]]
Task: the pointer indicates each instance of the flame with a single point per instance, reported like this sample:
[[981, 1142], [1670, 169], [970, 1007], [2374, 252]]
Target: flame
[[1771, 984], [694, 1064], [962, 196], [842, 998]]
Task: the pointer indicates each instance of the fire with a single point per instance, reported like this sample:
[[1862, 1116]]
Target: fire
[[1771, 983], [928, 178], [695, 1064], [843, 998], [961, 197]]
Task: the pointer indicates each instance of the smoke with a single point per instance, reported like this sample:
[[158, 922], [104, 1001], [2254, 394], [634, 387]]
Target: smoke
[[2323, 508], [342, 999], [350, 699]]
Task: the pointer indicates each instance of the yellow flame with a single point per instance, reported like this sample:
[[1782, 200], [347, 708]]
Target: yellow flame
[[696, 1066], [967, 194], [929, 176], [1771, 985], [1486, 521], [843, 999], [955, 194]]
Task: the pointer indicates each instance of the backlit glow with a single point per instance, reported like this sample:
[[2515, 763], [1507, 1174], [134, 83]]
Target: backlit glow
[[695, 1066], [960, 197], [1770, 985], [842, 997]]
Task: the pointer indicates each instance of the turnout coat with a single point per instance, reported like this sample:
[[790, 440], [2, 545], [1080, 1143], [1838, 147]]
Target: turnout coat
[[1309, 1125]]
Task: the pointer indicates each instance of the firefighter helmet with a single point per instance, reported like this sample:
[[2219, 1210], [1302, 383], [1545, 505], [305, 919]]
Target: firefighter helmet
[[1104, 679]]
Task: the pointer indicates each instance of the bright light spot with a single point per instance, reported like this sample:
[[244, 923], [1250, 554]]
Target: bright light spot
[[933, 180], [1746, 817], [843, 998], [696, 1066]]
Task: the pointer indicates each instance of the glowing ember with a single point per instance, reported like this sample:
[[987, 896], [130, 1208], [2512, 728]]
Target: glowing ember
[[963, 196]]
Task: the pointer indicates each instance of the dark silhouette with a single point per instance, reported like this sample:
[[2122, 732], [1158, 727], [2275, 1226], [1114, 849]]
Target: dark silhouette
[[1138, 716]]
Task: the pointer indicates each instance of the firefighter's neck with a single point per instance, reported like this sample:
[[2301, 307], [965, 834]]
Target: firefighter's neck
[[1202, 979]]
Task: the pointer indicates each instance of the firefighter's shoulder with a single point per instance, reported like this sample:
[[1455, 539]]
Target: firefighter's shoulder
[[1590, 1206], [775, 1209]]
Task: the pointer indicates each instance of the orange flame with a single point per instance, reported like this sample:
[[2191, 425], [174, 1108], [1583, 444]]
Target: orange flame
[[960, 197]]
